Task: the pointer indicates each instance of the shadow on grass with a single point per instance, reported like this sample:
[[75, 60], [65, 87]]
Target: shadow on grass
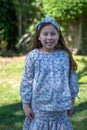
[[80, 113], [80, 125], [11, 117], [81, 107]]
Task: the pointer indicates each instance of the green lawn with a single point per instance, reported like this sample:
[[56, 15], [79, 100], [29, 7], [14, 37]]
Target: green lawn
[[11, 114]]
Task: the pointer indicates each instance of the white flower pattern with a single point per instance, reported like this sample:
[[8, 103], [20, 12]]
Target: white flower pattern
[[47, 85]]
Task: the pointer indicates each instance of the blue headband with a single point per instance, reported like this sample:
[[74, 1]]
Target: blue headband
[[48, 20]]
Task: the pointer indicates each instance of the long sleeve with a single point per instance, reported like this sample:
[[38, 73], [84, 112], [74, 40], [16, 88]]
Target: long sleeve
[[74, 86], [27, 80]]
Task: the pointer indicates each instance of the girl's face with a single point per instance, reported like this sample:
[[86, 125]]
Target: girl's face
[[48, 37]]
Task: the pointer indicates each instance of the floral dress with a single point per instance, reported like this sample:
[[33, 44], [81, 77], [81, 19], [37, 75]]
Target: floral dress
[[49, 87]]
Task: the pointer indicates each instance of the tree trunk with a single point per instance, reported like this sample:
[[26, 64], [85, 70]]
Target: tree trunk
[[78, 35], [74, 36], [20, 21]]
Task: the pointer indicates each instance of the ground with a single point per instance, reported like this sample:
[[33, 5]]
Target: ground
[[9, 60]]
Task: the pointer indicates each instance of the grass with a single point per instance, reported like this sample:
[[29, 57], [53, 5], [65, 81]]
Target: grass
[[79, 117], [11, 113]]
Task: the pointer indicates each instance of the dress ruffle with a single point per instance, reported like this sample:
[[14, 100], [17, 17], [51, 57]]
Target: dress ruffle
[[48, 121]]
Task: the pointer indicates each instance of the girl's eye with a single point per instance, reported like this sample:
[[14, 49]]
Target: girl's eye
[[45, 34], [53, 33]]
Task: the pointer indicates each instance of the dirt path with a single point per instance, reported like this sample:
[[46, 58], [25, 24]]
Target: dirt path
[[9, 60]]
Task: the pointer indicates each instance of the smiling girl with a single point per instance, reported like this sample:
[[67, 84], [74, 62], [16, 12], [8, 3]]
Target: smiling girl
[[49, 83]]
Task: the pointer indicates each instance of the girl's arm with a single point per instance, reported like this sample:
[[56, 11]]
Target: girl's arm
[[26, 86], [74, 88]]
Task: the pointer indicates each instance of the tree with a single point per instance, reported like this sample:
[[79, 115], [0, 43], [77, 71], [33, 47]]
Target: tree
[[8, 22], [65, 9], [27, 13], [16, 18], [72, 15]]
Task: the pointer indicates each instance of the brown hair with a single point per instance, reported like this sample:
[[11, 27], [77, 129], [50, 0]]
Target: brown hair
[[61, 45]]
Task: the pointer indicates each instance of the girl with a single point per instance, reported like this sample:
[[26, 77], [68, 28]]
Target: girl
[[49, 84]]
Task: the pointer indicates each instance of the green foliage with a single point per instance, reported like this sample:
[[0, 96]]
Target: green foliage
[[29, 11], [65, 9], [3, 46], [8, 22], [28, 14]]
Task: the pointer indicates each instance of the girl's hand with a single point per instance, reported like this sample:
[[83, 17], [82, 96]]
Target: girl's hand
[[28, 111], [69, 112]]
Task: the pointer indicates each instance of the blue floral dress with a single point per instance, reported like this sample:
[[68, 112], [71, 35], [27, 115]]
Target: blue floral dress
[[49, 87]]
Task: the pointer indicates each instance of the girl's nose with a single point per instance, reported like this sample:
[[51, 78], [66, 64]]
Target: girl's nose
[[49, 36]]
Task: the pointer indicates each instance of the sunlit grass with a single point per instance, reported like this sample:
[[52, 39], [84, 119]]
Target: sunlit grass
[[11, 113], [82, 68], [10, 76]]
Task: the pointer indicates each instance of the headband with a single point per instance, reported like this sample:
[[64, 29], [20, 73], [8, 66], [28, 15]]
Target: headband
[[48, 20]]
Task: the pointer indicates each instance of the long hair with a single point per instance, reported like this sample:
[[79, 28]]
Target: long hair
[[61, 45]]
